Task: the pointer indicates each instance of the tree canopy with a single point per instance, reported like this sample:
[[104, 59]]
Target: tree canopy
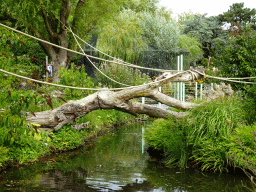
[[239, 15], [48, 20], [205, 29]]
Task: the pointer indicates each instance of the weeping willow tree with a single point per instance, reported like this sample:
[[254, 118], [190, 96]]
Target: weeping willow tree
[[122, 37], [147, 38]]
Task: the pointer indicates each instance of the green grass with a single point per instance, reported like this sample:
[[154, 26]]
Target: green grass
[[207, 137]]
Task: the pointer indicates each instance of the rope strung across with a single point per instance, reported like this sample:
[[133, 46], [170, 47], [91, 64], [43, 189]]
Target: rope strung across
[[42, 82], [228, 79], [92, 89], [79, 53]]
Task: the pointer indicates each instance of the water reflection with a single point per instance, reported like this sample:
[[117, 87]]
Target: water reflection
[[116, 163]]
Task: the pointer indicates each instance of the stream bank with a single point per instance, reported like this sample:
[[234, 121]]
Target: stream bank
[[116, 162]]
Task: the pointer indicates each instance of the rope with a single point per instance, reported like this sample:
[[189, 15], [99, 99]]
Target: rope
[[228, 79], [53, 84], [83, 88], [79, 53]]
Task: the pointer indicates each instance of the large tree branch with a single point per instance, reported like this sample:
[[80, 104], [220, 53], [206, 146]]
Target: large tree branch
[[48, 49], [48, 25], [106, 99]]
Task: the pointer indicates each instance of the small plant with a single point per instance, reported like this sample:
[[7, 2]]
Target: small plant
[[3, 155], [75, 77], [66, 138]]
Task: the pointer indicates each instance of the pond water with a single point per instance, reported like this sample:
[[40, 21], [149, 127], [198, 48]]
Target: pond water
[[117, 162]]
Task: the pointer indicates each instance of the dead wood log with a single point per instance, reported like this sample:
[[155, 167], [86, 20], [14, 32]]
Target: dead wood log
[[71, 111]]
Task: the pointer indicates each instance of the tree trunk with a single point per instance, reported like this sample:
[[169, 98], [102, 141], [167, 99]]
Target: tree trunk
[[71, 111]]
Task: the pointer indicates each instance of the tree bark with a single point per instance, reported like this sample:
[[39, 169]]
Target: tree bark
[[71, 111]]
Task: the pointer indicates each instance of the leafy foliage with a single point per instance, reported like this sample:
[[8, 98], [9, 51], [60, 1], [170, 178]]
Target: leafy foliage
[[122, 37], [237, 58], [75, 77], [215, 119], [192, 45], [46, 20], [205, 136], [206, 30], [169, 136], [3, 155], [243, 148], [237, 14], [161, 34]]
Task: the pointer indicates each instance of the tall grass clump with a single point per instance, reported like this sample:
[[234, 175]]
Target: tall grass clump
[[210, 128], [216, 119], [202, 137], [169, 136]]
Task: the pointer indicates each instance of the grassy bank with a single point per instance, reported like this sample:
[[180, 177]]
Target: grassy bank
[[215, 136], [22, 145]]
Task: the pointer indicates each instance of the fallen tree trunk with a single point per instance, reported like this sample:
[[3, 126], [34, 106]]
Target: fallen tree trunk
[[71, 111]]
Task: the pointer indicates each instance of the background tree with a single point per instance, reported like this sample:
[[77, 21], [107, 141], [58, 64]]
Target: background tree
[[47, 20], [122, 37], [239, 15], [237, 57], [206, 30], [130, 33], [160, 33], [141, 5]]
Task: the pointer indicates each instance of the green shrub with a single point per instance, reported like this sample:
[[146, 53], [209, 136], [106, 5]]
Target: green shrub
[[67, 138], [75, 77], [211, 154], [170, 137], [210, 127], [3, 155], [242, 148], [217, 118], [203, 136]]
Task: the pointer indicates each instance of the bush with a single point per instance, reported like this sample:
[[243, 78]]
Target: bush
[[211, 154], [76, 77], [216, 119], [203, 136], [169, 136], [67, 138], [3, 155], [242, 148]]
